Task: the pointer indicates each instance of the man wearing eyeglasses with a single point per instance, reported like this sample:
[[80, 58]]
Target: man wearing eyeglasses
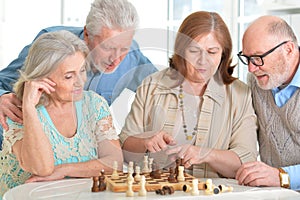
[[271, 52]]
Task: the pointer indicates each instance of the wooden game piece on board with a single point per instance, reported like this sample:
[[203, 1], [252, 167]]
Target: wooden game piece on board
[[150, 164], [176, 167], [172, 178], [102, 184], [129, 176], [95, 187], [115, 174], [143, 191], [180, 177], [145, 167], [137, 176], [129, 192]]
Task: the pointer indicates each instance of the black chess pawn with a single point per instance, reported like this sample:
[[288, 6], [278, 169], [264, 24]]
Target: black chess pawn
[[102, 184], [95, 187], [172, 178]]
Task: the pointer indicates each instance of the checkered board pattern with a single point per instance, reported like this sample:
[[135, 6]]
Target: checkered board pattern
[[120, 185]]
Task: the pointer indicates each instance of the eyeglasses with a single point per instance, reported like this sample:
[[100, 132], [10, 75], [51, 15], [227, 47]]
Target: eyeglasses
[[257, 60]]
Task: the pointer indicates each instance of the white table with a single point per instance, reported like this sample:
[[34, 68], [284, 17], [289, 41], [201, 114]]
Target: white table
[[72, 189]]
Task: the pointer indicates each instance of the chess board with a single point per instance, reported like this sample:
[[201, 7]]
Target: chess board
[[120, 185]]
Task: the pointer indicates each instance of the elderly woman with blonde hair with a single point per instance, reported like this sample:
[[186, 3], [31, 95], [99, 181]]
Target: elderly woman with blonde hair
[[66, 131]]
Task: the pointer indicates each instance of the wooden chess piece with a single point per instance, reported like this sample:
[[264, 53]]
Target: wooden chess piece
[[115, 174], [177, 165], [180, 177], [129, 192], [150, 164], [208, 187], [186, 188], [95, 187], [137, 176], [155, 173], [224, 188], [129, 176], [145, 167], [168, 189], [102, 184], [130, 166], [143, 191], [195, 190], [172, 178]]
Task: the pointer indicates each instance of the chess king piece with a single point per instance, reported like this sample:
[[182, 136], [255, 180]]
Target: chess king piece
[[143, 191], [115, 174]]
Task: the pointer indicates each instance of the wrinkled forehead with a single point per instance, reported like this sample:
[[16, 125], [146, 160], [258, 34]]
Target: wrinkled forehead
[[115, 37]]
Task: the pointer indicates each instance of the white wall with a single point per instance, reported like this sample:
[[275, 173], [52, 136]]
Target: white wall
[[21, 21]]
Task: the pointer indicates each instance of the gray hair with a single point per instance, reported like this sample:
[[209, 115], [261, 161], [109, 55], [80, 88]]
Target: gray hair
[[282, 29], [44, 56], [112, 14]]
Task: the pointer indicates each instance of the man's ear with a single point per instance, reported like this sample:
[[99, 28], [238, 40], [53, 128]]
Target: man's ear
[[290, 48], [85, 36]]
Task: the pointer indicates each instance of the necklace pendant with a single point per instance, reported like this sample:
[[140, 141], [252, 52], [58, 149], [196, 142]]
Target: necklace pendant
[[189, 137]]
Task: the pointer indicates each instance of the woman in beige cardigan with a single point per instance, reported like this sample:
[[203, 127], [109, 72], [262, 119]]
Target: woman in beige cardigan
[[195, 109]]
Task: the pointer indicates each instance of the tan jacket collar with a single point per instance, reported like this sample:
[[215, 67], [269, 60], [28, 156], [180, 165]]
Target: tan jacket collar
[[170, 79]]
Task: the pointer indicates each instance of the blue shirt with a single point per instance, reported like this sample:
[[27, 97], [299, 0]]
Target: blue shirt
[[130, 73], [281, 96]]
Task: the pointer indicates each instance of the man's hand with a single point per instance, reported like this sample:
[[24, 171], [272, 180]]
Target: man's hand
[[10, 106], [258, 174]]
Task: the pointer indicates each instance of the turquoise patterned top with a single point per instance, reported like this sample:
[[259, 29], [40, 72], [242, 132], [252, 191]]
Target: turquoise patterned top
[[93, 115]]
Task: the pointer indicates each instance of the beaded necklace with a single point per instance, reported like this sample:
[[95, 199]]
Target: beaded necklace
[[181, 106]]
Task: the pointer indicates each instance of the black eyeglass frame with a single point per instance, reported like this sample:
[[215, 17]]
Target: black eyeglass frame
[[250, 58]]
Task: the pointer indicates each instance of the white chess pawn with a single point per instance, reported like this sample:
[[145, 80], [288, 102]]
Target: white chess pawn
[[137, 176], [143, 191], [129, 192], [195, 190], [115, 174], [145, 168], [180, 176]]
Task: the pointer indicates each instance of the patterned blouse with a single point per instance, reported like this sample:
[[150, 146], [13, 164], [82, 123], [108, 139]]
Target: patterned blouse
[[94, 125]]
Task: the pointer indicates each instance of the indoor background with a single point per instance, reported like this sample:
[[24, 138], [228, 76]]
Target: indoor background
[[21, 20]]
